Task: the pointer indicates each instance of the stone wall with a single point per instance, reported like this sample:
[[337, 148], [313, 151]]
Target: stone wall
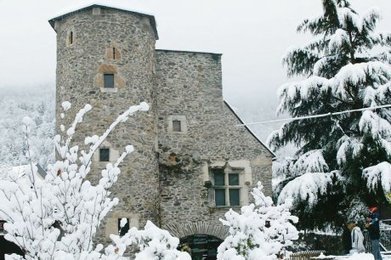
[[190, 87]]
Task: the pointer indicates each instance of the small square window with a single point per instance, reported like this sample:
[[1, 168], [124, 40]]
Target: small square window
[[104, 154], [108, 80], [176, 126]]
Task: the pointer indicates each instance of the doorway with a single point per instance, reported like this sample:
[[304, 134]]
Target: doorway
[[202, 247]]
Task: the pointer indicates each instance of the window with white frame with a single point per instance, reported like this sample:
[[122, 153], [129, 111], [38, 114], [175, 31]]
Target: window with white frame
[[226, 185]]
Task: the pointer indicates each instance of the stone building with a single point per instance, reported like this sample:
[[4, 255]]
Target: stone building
[[192, 162]]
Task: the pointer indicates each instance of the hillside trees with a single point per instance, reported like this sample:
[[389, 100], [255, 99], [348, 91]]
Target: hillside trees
[[58, 217], [38, 104], [343, 161]]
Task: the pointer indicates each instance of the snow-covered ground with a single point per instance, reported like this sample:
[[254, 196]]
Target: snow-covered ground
[[365, 256]]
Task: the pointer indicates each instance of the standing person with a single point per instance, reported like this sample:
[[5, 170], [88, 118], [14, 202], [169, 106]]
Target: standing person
[[357, 238], [346, 239], [374, 231]]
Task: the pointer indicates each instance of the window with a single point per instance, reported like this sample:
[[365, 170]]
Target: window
[[114, 53], [176, 126], [123, 226], [104, 154], [70, 38], [226, 187], [2, 225], [108, 80]]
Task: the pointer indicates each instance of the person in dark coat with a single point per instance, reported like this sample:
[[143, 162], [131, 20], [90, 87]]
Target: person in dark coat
[[346, 240], [374, 231]]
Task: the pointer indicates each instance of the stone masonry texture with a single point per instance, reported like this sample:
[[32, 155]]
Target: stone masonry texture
[[164, 180]]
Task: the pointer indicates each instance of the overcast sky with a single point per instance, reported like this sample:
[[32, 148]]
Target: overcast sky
[[252, 35]]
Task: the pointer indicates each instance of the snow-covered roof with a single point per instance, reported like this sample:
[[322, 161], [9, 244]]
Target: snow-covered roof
[[90, 5]]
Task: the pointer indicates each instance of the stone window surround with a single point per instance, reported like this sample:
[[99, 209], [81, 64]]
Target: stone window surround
[[112, 221], [113, 53], [235, 166], [107, 68], [113, 154], [183, 123], [109, 90]]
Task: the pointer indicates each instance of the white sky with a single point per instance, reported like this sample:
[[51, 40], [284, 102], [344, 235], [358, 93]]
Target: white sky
[[253, 36]]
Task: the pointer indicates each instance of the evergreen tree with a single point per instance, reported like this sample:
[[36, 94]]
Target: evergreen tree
[[343, 160]]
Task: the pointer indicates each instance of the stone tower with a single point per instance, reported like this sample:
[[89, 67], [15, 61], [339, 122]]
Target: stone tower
[[106, 58]]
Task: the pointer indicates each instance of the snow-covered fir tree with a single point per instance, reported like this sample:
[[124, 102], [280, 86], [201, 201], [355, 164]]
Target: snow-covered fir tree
[[260, 231], [57, 217], [343, 160]]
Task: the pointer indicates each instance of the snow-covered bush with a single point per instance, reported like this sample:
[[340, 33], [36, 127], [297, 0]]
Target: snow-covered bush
[[344, 153], [58, 217], [151, 243], [260, 231]]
